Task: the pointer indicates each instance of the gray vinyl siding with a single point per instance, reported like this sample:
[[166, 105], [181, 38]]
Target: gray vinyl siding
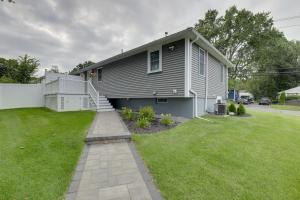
[[215, 86], [128, 78], [198, 81]]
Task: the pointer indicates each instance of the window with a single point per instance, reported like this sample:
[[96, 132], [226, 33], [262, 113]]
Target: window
[[201, 61], [161, 100], [222, 72], [99, 73], [154, 61]]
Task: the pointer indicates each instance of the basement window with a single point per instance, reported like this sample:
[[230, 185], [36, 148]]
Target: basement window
[[161, 100]]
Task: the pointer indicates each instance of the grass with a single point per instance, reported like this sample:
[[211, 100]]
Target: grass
[[39, 150], [286, 107], [254, 157]]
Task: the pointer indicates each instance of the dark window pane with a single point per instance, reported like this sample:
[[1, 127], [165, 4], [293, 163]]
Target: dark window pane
[[154, 60], [99, 74]]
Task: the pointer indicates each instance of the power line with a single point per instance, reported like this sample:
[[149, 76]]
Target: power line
[[287, 18], [289, 26]]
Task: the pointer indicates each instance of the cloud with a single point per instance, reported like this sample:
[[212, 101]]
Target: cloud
[[65, 33]]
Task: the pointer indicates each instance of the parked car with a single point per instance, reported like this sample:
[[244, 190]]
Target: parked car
[[265, 101], [243, 101]]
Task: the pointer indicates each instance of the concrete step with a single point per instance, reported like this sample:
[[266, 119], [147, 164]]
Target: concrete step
[[108, 139], [105, 109]]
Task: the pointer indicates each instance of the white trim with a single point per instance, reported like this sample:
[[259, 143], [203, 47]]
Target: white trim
[[206, 82], [204, 67], [159, 49], [222, 72], [186, 68]]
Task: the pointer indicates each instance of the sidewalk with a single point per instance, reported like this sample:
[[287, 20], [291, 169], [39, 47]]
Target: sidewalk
[[111, 170]]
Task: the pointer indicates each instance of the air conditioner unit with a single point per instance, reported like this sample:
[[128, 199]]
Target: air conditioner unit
[[220, 108]]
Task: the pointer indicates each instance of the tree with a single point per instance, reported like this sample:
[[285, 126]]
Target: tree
[[81, 66], [237, 35], [8, 70], [282, 98], [10, 1], [27, 66]]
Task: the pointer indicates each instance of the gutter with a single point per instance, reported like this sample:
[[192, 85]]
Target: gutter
[[195, 110]]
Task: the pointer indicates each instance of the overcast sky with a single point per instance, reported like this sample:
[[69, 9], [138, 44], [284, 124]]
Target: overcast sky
[[67, 32]]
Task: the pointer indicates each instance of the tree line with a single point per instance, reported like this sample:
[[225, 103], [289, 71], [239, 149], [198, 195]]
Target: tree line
[[265, 61], [20, 70]]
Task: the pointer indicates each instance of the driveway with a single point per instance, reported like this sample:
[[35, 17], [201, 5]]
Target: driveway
[[264, 108]]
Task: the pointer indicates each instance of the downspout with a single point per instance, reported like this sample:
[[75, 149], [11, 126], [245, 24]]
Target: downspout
[[192, 91], [206, 80]]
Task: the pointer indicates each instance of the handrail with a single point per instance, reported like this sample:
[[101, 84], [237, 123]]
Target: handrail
[[93, 93]]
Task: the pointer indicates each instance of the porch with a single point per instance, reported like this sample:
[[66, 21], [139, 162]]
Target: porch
[[69, 93]]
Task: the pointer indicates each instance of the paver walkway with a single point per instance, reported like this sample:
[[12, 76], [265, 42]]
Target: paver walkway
[[111, 170]]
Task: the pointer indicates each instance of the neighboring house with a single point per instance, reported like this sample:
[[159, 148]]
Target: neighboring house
[[181, 74], [292, 91]]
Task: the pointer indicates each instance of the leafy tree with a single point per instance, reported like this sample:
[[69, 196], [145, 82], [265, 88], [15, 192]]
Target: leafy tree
[[10, 1], [81, 66], [282, 98], [237, 35], [26, 68]]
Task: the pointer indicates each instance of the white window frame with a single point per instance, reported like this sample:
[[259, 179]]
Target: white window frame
[[158, 102], [222, 73], [101, 74], [204, 62], [149, 71]]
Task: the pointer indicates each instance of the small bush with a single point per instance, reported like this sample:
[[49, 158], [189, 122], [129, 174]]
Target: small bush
[[232, 108], [143, 122], [147, 112], [127, 113], [282, 98], [166, 119], [241, 110]]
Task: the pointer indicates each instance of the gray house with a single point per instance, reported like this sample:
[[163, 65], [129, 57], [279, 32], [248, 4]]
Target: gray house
[[181, 74]]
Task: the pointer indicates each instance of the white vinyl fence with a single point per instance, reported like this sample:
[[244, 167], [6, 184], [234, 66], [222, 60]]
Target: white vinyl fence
[[21, 95]]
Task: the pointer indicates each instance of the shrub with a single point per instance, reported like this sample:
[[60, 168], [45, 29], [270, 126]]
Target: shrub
[[166, 119], [282, 98], [232, 108], [241, 110], [127, 113], [147, 112], [143, 122]]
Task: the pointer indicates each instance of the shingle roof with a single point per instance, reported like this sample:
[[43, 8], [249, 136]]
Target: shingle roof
[[189, 32]]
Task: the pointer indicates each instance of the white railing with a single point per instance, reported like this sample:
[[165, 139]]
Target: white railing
[[52, 87], [65, 86], [93, 93]]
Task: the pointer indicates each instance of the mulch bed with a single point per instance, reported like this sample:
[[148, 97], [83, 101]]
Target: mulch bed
[[154, 128]]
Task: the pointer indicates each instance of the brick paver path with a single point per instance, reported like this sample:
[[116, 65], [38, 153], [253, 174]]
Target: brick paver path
[[110, 171]]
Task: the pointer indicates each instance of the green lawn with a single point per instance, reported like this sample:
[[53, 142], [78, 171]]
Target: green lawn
[[286, 107], [39, 150], [227, 158]]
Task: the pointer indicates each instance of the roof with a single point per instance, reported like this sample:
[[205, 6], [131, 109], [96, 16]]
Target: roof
[[189, 32], [295, 90]]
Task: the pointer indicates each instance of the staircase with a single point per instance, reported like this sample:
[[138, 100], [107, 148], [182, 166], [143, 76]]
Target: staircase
[[104, 105], [99, 102]]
